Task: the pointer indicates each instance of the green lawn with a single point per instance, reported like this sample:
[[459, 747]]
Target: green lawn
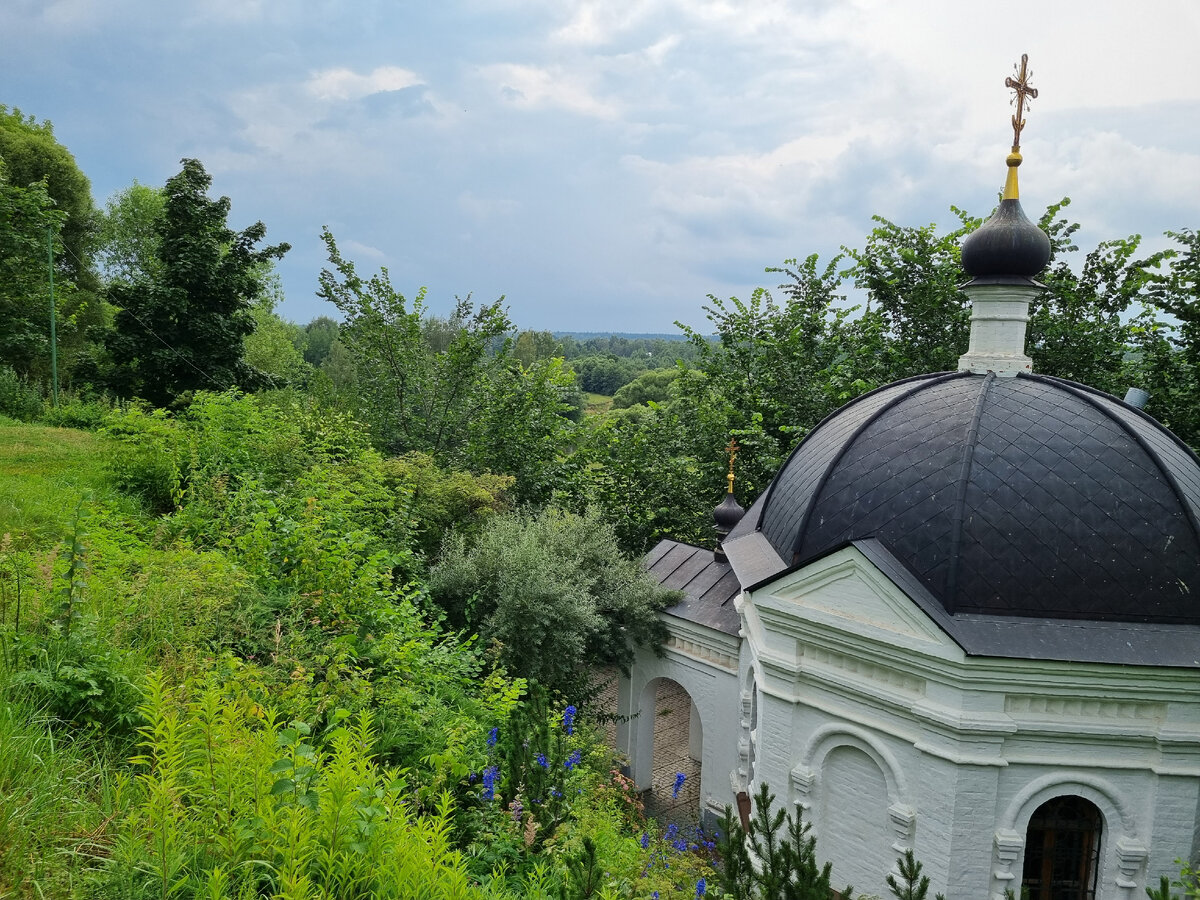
[[596, 403], [43, 474]]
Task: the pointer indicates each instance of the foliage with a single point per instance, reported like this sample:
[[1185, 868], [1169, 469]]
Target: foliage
[[449, 387], [29, 226], [181, 327], [275, 347], [233, 803], [653, 385], [785, 863], [554, 591], [129, 238], [438, 499], [18, 399], [319, 335]]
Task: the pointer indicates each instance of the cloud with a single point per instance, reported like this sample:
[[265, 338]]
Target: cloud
[[549, 87], [346, 84]]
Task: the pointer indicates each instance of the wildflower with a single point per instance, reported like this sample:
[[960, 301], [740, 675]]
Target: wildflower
[[655, 895], [679, 780], [645, 840], [573, 760], [569, 719], [517, 810], [489, 782], [493, 736], [541, 761], [671, 832], [680, 845], [701, 886]]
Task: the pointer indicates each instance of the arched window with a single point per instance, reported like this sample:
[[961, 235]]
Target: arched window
[[1062, 850]]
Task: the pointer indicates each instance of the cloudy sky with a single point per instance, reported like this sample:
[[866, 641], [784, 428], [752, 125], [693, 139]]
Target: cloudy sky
[[605, 164]]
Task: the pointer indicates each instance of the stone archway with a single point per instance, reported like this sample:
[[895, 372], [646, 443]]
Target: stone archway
[[675, 745]]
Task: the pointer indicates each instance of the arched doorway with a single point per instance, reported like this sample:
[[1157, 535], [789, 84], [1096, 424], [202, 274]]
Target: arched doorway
[[1062, 850], [676, 749]]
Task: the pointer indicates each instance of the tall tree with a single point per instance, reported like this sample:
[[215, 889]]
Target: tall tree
[[128, 239], [32, 159], [449, 387], [183, 326], [27, 217]]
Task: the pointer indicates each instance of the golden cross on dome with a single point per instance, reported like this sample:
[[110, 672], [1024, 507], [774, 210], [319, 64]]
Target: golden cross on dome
[[732, 450], [1024, 89]]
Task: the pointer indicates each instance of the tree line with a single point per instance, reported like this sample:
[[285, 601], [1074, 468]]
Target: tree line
[[158, 298]]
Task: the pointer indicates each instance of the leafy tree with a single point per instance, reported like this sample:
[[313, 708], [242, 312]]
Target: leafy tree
[[27, 216], [183, 327], [449, 387], [531, 346], [32, 159], [128, 239], [653, 385], [32, 154], [320, 334], [912, 277], [553, 590], [271, 348]]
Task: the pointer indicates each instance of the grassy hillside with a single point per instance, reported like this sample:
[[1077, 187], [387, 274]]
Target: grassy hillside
[[220, 676]]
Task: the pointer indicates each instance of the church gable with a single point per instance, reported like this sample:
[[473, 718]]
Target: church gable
[[846, 591]]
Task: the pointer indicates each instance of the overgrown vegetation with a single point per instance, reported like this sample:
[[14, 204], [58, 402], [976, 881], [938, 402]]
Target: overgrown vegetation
[[310, 611]]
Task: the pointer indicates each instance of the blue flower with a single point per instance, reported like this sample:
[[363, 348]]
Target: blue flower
[[573, 760], [672, 830], [679, 780], [541, 761], [655, 895], [701, 886], [680, 845], [493, 736], [645, 840], [489, 782], [569, 719]]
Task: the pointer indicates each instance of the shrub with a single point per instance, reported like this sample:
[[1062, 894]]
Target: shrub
[[554, 591], [18, 398]]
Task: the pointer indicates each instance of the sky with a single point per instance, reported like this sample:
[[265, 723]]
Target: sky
[[607, 164]]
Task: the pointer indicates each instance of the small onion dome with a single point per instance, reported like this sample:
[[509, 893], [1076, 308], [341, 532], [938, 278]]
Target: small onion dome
[[1007, 248], [728, 514]]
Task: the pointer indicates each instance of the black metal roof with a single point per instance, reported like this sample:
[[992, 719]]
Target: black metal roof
[[708, 586], [1027, 497]]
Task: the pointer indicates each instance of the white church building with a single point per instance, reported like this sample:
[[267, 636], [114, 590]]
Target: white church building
[[963, 619]]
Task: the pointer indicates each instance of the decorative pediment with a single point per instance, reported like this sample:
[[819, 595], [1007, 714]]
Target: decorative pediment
[[846, 591]]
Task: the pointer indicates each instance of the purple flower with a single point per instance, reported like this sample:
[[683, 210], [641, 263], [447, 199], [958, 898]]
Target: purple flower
[[489, 782], [680, 845], [516, 810], [655, 895], [569, 719], [541, 761], [701, 886], [672, 830], [645, 840], [493, 736], [573, 759], [679, 780]]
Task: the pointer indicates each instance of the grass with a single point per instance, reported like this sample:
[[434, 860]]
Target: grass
[[44, 472], [594, 404]]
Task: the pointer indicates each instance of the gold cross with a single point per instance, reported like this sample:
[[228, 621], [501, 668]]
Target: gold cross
[[732, 450], [1024, 89]]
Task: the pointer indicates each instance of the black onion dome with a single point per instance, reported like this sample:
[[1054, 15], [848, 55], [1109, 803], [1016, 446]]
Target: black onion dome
[[1006, 247], [728, 513], [1024, 497]]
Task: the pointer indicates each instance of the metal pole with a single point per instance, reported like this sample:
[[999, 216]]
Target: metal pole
[[53, 321]]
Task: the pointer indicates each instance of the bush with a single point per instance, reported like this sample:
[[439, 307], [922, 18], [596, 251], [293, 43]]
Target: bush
[[18, 399], [554, 591]]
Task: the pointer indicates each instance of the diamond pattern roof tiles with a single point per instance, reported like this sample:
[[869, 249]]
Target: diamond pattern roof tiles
[[1026, 496]]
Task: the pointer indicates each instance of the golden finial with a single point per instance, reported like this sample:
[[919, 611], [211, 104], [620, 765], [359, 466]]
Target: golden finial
[[1024, 92], [732, 450]]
